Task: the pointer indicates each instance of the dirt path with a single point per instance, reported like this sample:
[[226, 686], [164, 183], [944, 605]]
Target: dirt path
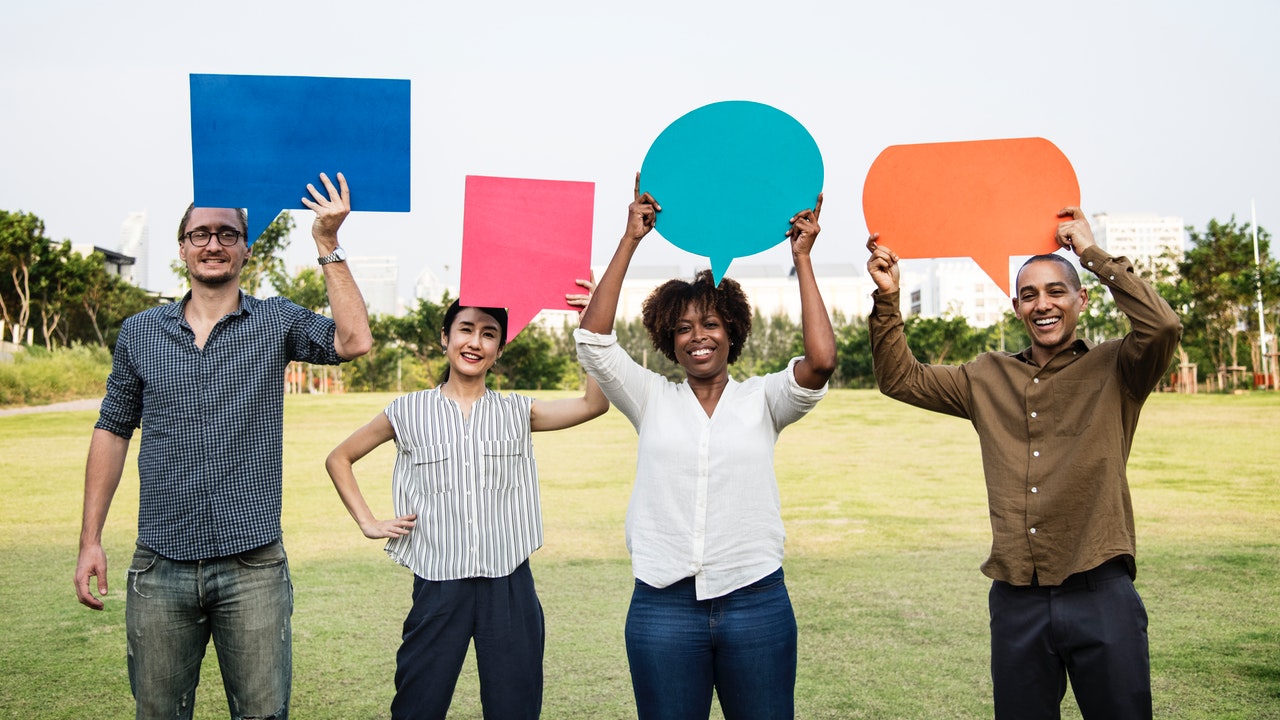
[[70, 405]]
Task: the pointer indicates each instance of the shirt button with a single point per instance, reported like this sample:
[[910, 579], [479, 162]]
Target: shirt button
[[1036, 453], [1033, 531], [1113, 277], [1090, 263], [1036, 381], [1035, 490], [1033, 414]]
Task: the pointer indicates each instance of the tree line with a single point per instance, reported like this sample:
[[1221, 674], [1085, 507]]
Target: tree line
[[60, 299]]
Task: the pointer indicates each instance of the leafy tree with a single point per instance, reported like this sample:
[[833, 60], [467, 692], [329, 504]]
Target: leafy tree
[[853, 354], [419, 332], [1216, 291], [530, 362], [942, 340], [1101, 319], [76, 299], [106, 301], [306, 288], [406, 354], [22, 242], [267, 259], [1007, 335], [389, 365], [60, 278], [771, 345], [633, 338]]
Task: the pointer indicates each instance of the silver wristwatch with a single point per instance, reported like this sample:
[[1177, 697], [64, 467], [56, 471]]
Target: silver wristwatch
[[338, 255]]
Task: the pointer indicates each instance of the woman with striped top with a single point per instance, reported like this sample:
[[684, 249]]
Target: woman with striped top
[[465, 494]]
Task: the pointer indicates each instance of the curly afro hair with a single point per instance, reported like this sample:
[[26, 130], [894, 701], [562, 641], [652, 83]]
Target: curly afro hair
[[664, 306]]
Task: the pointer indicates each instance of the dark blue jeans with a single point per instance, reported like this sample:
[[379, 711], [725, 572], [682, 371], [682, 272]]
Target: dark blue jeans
[[504, 618], [243, 601], [741, 645], [1092, 628]]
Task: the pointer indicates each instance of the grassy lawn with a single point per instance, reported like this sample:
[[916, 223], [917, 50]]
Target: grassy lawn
[[886, 521]]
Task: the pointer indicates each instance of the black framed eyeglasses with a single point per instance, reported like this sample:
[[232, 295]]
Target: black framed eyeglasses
[[226, 238]]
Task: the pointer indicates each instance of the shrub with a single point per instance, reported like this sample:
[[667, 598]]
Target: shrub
[[39, 377]]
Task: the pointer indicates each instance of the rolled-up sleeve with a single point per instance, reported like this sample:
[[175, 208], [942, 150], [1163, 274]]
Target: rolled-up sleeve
[[121, 411], [624, 382], [789, 400]]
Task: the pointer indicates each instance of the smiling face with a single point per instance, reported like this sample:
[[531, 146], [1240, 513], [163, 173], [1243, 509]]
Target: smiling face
[[473, 343], [1049, 304], [215, 263], [701, 343]]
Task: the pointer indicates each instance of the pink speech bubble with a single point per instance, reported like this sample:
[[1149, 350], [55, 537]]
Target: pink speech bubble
[[986, 199], [524, 243]]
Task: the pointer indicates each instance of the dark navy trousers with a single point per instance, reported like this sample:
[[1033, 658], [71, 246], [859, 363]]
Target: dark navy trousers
[[504, 618]]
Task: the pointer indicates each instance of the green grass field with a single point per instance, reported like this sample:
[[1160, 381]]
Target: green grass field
[[886, 521]]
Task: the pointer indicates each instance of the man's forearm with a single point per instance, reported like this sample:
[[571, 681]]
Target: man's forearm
[[352, 337]]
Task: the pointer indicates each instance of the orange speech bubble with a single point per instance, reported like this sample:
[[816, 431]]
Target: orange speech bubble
[[985, 199]]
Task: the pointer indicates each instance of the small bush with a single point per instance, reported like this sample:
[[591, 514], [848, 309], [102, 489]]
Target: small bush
[[39, 377]]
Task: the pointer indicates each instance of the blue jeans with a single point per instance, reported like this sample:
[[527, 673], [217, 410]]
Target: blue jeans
[[741, 645], [173, 607]]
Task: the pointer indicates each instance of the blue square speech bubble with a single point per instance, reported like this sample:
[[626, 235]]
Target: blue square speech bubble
[[257, 140]]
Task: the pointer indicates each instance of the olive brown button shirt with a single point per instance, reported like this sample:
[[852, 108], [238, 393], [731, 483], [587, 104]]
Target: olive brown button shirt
[[1055, 439]]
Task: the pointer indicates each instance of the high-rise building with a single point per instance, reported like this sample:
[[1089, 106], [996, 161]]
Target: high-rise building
[[133, 242], [377, 278], [430, 287], [1152, 242]]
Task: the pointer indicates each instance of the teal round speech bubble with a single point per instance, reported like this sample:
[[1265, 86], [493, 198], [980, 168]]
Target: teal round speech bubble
[[729, 177]]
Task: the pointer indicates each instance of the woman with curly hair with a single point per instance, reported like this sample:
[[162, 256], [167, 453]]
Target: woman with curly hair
[[710, 611]]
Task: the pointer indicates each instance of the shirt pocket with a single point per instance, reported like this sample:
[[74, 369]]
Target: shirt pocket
[[503, 464], [431, 470], [1075, 402]]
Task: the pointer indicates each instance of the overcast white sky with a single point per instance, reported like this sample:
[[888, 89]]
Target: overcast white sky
[[1164, 107]]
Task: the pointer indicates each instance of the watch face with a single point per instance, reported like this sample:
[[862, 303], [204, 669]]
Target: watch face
[[337, 255]]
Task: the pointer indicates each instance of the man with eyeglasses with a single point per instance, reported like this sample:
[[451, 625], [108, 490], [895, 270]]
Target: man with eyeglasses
[[204, 379]]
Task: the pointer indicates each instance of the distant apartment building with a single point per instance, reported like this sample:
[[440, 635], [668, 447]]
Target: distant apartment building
[[1152, 242], [430, 287], [952, 287], [116, 263]]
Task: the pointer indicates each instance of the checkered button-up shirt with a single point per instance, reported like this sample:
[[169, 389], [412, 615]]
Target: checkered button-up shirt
[[209, 463]]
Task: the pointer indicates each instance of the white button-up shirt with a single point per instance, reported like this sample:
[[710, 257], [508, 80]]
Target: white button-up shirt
[[705, 501]]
